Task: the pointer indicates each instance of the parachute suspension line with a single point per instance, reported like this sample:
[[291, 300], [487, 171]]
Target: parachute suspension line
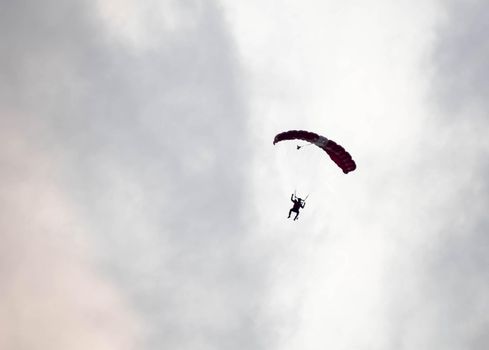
[[295, 196]]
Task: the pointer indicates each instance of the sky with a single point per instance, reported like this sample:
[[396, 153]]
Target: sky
[[143, 205]]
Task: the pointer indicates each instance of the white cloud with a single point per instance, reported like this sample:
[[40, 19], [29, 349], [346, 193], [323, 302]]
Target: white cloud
[[363, 73], [147, 25]]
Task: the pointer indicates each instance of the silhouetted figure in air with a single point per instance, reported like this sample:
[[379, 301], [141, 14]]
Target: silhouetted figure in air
[[298, 204]]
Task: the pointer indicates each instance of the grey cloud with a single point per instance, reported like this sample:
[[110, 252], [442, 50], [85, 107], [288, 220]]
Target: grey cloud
[[445, 301], [151, 149], [51, 297], [461, 56]]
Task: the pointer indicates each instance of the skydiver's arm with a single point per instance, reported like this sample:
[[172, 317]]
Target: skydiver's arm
[[292, 197], [303, 205]]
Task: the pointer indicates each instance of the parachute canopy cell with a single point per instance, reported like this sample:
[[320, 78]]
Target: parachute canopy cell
[[336, 152]]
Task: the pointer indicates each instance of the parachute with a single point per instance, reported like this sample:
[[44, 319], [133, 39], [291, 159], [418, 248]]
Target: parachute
[[336, 152]]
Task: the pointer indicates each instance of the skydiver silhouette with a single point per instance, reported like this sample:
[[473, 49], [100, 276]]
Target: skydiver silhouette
[[298, 204]]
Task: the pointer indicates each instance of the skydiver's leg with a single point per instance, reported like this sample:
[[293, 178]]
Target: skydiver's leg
[[290, 212], [296, 215]]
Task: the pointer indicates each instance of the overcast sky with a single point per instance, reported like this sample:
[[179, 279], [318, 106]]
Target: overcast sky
[[143, 205]]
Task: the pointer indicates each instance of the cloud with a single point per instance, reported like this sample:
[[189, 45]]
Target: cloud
[[461, 55], [145, 127], [443, 302], [52, 297], [399, 259]]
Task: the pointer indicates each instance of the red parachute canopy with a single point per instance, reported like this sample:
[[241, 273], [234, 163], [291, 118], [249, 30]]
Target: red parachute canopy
[[337, 153]]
